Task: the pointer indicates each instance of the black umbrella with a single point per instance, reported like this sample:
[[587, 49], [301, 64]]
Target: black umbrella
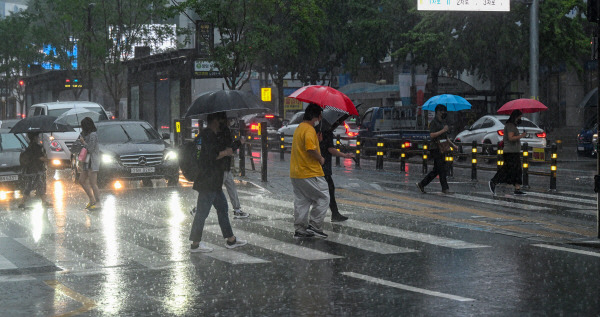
[[232, 102], [332, 117], [43, 124]]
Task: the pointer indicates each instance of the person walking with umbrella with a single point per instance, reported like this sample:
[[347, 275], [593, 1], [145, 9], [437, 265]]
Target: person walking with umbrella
[[209, 183], [33, 162], [511, 172], [227, 141], [438, 131], [90, 167], [307, 177]]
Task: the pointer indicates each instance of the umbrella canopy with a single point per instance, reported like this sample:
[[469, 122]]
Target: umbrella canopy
[[232, 102], [43, 124], [523, 104], [452, 103], [74, 116], [325, 96], [332, 118]]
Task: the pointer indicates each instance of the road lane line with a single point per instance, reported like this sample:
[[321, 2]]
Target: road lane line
[[406, 287], [59, 255], [287, 205], [411, 235], [547, 246], [87, 303], [278, 246], [565, 198], [356, 242], [5, 264], [492, 201], [219, 253], [263, 212]]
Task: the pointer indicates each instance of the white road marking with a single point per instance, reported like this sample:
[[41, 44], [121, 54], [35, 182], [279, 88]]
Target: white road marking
[[5, 264], [547, 246], [410, 235], [219, 253], [59, 255], [565, 198], [492, 201], [360, 243], [406, 287], [278, 246]]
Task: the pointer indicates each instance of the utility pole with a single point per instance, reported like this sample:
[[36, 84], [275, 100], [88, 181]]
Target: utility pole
[[534, 52], [89, 51]]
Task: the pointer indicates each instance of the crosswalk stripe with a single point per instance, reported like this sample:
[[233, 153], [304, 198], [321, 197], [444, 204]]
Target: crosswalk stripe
[[406, 287], [410, 235], [360, 243], [546, 202], [59, 255], [500, 202], [122, 249], [580, 194], [220, 253], [565, 198], [278, 246], [547, 246], [5, 264], [288, 205], [263, 212]]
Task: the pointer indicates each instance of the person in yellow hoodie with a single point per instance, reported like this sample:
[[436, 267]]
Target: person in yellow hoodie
[[308, 179]]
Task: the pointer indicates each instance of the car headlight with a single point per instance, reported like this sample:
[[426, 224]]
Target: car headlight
[[108, 159], [170, 155]]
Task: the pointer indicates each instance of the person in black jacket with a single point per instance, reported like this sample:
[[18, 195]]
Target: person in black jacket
[[33, 162], [209, 183]]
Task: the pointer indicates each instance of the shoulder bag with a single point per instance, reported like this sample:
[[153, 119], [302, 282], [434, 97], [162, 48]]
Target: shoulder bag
[[443, 145]]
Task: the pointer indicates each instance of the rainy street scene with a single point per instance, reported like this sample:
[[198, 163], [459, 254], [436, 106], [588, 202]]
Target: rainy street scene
[[299, 158]]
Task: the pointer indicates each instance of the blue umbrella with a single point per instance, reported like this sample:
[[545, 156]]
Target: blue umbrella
[[452, 103]]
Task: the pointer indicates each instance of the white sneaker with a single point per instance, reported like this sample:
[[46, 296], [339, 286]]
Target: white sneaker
[[239, 214], [201, 248], [236, 243]]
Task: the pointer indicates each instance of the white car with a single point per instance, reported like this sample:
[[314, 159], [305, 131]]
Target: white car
[[343, 131], [489, 129]]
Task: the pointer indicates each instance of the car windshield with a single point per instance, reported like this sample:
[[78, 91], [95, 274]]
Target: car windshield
[[9, 142], [74, 119], [525, 123], [127, 132]]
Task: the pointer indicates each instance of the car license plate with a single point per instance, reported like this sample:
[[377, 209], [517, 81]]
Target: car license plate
[[138, 170], [9, 178], [580, 148]]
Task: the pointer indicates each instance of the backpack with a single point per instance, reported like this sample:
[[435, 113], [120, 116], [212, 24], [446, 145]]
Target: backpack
[[188, 161]]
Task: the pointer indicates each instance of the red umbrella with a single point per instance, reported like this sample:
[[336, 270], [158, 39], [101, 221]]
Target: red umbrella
[[523, 104], [325, 96]]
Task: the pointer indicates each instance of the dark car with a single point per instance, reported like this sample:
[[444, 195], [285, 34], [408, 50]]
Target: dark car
[[585, 145], [133, 150], [11, 146], [274, 122]]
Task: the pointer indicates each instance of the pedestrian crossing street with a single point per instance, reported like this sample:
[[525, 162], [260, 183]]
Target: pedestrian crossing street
[[80, 242]]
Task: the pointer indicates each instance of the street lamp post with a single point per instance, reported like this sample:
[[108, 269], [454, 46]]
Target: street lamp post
[[88, 50]]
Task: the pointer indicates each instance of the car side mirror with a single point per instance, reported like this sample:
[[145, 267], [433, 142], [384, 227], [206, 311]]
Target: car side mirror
[[166, 136]]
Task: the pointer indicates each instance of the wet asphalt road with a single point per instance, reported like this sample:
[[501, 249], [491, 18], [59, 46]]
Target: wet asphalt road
[[401, 253]]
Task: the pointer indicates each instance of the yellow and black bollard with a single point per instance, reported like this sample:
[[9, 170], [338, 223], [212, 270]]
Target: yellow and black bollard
[[553, 169], [337, 147], [474, 161], [449, 158], [379, 164], [425, 158], [281, 147], [358, 150], [500, 157], [525, 149], [242, 153], [403, 157]]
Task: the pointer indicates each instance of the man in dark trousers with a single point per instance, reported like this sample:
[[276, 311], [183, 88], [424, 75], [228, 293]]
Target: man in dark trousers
[[33, 162], [209, 183], [328, 150], [227, 141]]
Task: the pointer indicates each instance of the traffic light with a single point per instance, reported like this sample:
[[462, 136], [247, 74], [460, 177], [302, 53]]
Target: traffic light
[[593, 11], [21, 83]]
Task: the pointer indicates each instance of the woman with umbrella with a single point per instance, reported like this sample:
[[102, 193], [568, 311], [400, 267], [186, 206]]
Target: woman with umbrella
[[511, 172]]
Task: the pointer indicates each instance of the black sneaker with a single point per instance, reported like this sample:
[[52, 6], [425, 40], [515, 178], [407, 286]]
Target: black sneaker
[[421, 188], [519, 192], [492, 187], [303, 234], [316, 232], [338, 218]]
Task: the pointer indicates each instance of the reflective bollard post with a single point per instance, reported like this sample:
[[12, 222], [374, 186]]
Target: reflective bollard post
[[242, 153], [500, 158], [281, 147], [425, 158], [358, 150], [525, 149], [449, 157], [474, 161], [379, 162], [553, 169], [403, 157], [337, 147], [264, 157]]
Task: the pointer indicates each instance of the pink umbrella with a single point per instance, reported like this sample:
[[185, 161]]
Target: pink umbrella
[[325, 96], [523, 104]]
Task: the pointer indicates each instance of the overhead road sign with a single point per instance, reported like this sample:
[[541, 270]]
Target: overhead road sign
[[463, 5]]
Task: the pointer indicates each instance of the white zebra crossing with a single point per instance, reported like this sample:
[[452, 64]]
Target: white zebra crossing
[[59, 255], [340, 238], [5, 264]]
